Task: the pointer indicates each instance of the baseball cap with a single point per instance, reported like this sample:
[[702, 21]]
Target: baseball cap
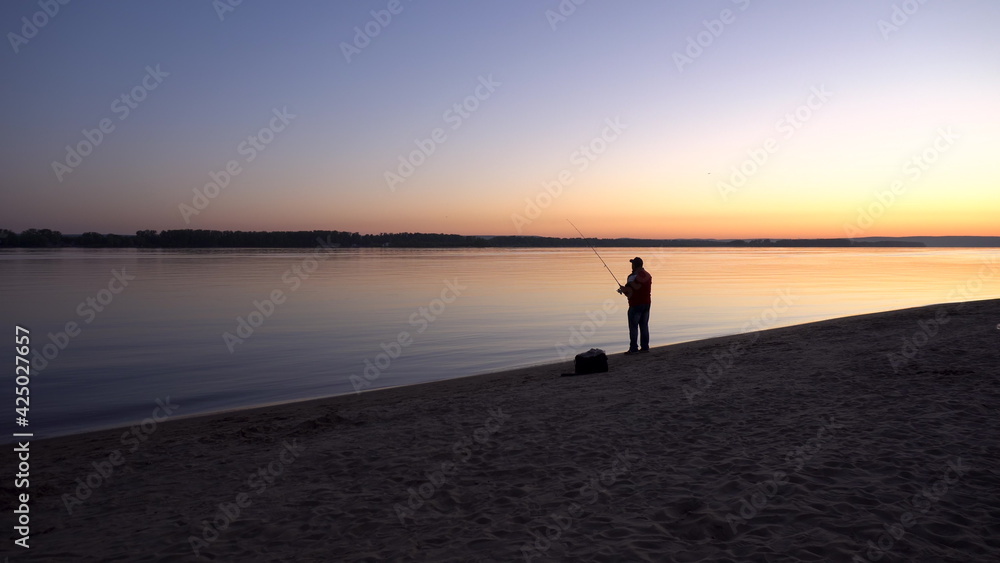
[[637, 261]]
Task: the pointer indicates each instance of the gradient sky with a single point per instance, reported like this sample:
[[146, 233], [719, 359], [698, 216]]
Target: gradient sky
[[893, 91]]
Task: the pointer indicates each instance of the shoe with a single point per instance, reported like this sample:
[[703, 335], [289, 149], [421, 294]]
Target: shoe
[[644, 351], [631, 352]]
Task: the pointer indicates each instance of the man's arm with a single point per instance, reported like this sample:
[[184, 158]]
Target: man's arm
[[634, 284], [630, 286]]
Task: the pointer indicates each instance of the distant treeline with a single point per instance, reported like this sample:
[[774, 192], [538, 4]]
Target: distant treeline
[[200, 238]]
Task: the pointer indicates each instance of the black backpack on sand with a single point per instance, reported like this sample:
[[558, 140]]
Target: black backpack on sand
[[591, 361]]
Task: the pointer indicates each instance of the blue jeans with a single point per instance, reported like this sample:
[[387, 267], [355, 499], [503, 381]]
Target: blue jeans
[[638, 321]]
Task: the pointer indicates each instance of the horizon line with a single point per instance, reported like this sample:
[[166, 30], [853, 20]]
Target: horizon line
[[4, 233]]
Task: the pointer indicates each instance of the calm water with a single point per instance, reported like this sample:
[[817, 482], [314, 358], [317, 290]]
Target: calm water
[[461, 312]]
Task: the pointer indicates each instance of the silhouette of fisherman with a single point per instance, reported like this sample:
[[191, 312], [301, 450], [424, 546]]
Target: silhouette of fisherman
[[637, 289]]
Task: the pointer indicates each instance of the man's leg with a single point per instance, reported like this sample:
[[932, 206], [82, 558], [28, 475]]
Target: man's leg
[[633, 328], [644, 327]]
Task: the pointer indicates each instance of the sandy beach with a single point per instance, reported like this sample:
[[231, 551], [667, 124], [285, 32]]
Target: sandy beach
[[868, 438]]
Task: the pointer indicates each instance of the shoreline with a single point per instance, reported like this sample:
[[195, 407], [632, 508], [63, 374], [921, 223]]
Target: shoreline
[[566, 365], [808, 440]]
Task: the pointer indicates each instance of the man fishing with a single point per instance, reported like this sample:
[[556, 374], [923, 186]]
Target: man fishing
[[637, 288]]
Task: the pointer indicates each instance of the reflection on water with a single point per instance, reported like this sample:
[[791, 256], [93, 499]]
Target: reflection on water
[[310, 323]]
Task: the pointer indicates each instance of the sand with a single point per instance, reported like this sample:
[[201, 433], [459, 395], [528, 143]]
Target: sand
[[803, 443]]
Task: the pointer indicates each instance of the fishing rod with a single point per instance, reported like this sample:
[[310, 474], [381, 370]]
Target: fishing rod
[[595, 252]]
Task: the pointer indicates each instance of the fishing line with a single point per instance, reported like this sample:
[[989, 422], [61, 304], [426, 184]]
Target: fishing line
[[595, 252]]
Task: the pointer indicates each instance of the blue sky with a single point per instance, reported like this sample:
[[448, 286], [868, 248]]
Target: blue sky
[[555, 88]]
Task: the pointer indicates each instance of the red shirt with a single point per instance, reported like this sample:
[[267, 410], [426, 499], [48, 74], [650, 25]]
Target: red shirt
[[642, 285]]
